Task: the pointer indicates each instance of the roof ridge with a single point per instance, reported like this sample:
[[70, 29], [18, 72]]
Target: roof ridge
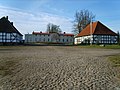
[[5, 23], [95, 26], [105, 28], [13, 27]]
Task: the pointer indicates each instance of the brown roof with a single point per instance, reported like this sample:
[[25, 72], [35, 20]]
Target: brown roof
[[7, 27], [40, 33], [46, 33], [97, 29], [67, 34]]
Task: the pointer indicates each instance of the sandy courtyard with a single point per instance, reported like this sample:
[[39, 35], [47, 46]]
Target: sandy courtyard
[[59, 68]]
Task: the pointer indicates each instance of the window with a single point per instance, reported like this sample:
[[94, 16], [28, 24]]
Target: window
[[48, 39], [63, 40], [78, 40], [36, 39], [39, 39], [44, 40], [30, 39], [8, 36], [67, 40]]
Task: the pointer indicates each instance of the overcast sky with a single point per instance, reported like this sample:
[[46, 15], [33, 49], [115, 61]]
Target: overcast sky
[[34, 15]]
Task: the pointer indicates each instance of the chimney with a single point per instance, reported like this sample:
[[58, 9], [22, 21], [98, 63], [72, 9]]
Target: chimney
[[40, 31], [64, 32], [33, 32], [11, 23], [7, 17]]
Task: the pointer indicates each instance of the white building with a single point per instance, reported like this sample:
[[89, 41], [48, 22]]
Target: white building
[[96, 33], [8, 33], [40, 37]]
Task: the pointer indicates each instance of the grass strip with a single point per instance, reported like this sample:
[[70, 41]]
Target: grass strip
[[115, 59]]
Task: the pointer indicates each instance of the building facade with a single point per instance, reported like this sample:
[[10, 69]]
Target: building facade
[[96, 33], [8, 33], [40, 37]]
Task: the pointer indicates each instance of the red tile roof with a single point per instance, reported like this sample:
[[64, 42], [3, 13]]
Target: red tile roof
[[46, 33], [41, 33], [97, 29], [68, 34]]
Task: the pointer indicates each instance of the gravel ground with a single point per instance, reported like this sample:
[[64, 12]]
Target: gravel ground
[[59, 68]]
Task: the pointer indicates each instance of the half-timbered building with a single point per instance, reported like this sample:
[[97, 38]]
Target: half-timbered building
[[96, 33], [8, 33]]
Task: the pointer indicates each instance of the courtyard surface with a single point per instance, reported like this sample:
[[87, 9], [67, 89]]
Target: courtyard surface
[[58, 68]]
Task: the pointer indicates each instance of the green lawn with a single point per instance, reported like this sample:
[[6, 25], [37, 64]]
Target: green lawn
[[115, 59], [98, 46], [5, 67]]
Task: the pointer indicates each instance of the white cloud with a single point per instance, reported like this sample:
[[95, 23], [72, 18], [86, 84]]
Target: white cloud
[[26, 22]]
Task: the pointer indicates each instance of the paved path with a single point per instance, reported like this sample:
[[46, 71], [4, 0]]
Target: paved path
[[61, 68]]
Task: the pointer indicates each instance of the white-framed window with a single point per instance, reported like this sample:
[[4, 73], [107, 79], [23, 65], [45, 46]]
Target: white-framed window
[[8, 35], [48, 39], [30, 39], [44, 39], [67, 40], [39, 39], [63, 40], [78, 40], [35, 39]]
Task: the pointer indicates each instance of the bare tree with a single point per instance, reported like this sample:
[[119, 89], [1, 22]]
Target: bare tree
[[82, 19], [53, 28], [55, 37]]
